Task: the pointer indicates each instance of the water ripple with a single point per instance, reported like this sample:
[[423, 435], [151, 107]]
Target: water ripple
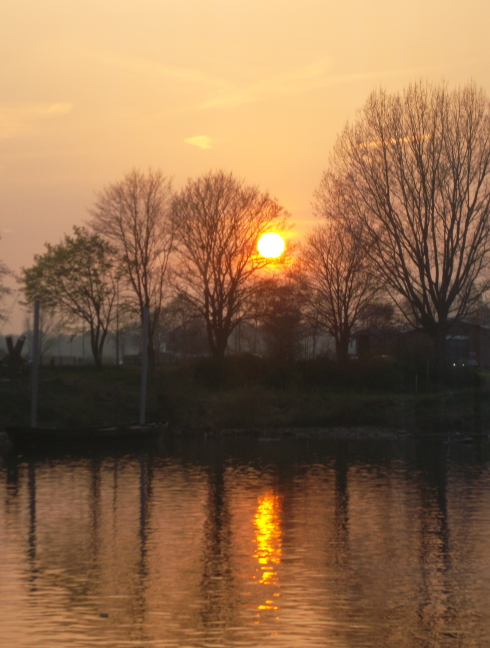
[[321, 545]]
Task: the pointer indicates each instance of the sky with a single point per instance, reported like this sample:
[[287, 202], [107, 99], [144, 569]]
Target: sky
[[92, 89]]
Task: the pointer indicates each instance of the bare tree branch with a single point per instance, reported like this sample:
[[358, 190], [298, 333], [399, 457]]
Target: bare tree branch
[[415, 169], [341, 281], [218, 221], [134, 214]]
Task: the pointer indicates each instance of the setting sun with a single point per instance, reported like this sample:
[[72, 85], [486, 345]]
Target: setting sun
[[271, 245]]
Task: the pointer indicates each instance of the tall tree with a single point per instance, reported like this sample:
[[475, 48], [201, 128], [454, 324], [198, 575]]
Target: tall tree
[[341, 281], [218, 220], [78, 279], [415, 167], [134, 215]]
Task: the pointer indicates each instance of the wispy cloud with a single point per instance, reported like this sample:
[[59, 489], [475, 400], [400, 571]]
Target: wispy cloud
[[215, 92], [292, 82], [221, 93], [55, 109], [311, 77], [157, 70], [202, 141], [15, 119]]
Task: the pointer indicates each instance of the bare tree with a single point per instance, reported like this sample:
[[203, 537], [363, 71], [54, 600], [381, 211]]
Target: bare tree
[[134, 214], [341, 281], [77, 278], [415, 167], [218, 221]]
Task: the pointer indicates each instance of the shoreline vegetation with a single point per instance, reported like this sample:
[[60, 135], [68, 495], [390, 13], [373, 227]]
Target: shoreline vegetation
[[249, 394]]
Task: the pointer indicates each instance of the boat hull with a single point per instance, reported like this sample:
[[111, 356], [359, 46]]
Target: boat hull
[[41, 438]]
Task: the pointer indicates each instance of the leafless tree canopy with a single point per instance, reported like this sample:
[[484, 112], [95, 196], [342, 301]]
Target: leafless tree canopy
[[218, 221], [415, 168], [341, 281], [134, 214]]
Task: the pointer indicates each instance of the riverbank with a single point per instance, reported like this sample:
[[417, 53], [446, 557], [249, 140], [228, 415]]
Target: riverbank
[[198, 398]]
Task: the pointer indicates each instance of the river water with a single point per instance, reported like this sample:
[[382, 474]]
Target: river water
[[248, 542]]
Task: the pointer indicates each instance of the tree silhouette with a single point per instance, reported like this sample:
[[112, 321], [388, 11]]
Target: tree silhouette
[[341, 281], [134, 215], [77, 278], [415, 170], [218, 221]]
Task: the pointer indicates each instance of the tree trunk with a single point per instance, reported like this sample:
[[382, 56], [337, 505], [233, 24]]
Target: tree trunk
[[219, 348], [342, 348], [440, 353], [96, 347], [217, 340], [97, 357]]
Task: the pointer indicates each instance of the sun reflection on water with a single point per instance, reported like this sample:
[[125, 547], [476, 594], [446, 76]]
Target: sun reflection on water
[[267, 522]]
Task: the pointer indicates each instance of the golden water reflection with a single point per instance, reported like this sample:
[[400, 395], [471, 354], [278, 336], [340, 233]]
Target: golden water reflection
[[268, 539], [355, 549]]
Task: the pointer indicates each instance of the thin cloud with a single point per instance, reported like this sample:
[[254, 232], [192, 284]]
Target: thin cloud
[[304, 79], [222, 92], [15, 119], [56, 109], [154, 69], [294, 82], [201, 141]]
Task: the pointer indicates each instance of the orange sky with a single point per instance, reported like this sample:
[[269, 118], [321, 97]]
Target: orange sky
[[90, 89]]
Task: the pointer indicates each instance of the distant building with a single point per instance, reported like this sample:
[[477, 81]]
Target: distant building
[[372, 342], [467, 344]]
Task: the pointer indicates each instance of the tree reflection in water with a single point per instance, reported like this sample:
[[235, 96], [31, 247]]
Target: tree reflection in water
[[217, 580], [339, 543]]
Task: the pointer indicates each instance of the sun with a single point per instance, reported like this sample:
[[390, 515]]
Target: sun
[[271, 245]]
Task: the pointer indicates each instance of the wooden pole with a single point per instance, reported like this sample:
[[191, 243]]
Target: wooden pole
[[144, 364], [35, 366], [117, 324]]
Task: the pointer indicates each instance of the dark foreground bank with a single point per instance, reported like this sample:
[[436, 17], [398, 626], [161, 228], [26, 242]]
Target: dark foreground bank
[[247, 393]]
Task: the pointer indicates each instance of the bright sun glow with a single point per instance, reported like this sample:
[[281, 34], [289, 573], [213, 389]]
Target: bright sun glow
[[271, 245]]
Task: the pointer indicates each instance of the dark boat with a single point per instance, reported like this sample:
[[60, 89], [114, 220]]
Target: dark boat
[[40, 438]]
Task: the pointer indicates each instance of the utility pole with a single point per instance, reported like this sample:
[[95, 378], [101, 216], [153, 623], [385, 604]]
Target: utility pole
[[144, 364], [35, 366]]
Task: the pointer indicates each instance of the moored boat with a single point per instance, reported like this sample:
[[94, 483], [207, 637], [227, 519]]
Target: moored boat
[[39, 438]]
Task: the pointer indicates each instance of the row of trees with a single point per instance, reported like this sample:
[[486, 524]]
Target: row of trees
[[407, 190], [405, 211], [146, 245]]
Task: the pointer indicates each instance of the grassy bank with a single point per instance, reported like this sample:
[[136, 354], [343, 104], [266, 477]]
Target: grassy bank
[[251, 392]]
